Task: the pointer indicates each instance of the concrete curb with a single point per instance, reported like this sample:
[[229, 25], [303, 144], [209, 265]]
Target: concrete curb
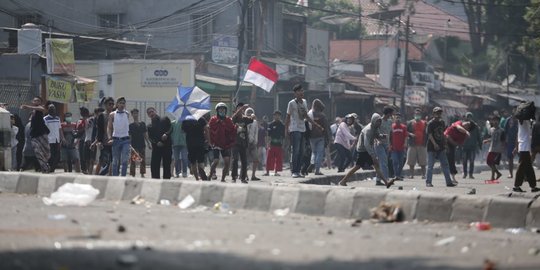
[[341, 202]]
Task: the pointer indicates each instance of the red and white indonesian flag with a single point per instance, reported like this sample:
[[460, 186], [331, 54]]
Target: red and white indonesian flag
[[261, 75]]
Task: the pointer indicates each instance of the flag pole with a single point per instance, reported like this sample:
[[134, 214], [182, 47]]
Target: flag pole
[[241, 41]]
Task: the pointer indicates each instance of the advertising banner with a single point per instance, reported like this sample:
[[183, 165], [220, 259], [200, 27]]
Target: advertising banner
[[161, 76], [60, 56], [58, 89]]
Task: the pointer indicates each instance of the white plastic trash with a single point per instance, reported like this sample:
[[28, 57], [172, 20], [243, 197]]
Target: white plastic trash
[[72, 194], [186, 202]]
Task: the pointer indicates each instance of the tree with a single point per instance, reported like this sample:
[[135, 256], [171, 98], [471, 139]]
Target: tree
[[532, 16], [319, 9]]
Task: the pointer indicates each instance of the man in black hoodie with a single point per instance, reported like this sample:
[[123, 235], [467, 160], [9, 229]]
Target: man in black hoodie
[[159, 133]]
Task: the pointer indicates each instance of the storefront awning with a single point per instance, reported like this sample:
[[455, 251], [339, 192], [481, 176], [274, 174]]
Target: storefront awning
[[367, 85], [209, 83], [452, 107]]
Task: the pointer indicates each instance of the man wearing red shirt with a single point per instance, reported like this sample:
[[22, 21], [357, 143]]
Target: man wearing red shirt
[[398, 139], [456, 134], [417, 152], [222, 139]]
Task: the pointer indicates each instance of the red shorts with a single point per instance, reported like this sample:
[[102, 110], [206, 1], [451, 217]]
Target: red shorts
[[493, 158]]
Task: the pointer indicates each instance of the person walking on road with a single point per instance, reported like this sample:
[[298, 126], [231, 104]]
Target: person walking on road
[[319, 139], [159, 133], [367, 156], [105, 158], [179, 148], [39, 134], [456, 134], [525, 170], [139, 139], [295, 128], [496, 147], [241, 121], [383, 144], [276, 132], [70, 154], [55, 136], [511, 132], [222, 140], [417, 152], [471, 145], [436, 148], [343, 143], [398, 139], [118, 133], [197, 134]]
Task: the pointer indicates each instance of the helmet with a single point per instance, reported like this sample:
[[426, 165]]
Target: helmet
[[221, 105]]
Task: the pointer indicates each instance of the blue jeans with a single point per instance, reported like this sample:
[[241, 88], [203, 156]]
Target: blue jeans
[[180, 159], [382, 154], [344, 157], [317, 152], [441, 156], [120, 153], [397, 162], [297, 144]]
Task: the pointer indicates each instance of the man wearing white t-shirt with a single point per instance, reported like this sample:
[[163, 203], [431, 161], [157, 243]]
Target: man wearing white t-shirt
[[295, 128], [525, 169]]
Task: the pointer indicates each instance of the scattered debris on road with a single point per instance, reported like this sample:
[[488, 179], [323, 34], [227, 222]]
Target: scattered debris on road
[[137, 200], [72, 194], [445, 241], [281, 212], [387, 212], [186, 202], [121, 229], [481, 226]]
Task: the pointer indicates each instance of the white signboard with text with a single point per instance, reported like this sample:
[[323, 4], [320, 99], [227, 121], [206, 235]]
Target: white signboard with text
[[416, 95], [160, 76]]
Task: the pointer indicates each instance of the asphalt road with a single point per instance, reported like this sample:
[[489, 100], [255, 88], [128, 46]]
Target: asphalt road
[[111, 235]]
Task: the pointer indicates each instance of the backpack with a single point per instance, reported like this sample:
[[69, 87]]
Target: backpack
[[525, 111]]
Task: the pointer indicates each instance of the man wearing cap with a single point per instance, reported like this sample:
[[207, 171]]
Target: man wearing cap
[[416, 152], [222, 139], [383, 145], [436, 148]]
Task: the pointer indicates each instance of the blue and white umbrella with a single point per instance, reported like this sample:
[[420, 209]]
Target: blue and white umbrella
[[189, 101]]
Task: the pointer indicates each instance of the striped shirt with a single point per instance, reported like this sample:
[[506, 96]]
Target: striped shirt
[[54, 125]]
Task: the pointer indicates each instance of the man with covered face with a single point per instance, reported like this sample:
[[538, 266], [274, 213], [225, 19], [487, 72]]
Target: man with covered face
[[367, 155]]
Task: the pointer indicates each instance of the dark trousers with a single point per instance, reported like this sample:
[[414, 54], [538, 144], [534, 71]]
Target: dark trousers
[[468, 159], [55, 156], [344, 157], [158, 154], [82, 155], [239, 151], [525, 170], [451, 156]]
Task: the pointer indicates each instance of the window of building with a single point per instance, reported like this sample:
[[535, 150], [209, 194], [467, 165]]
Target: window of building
[[111, 20], [202, 29]]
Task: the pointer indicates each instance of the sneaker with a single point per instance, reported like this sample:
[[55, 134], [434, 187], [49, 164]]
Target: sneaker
[[518, 189], [535, 189], [255, 178], [214, 177], [296, 175], [470, 176], [266, 174], [429, 185], [277, 174], [455, 182], [390, 183], [244, 181], [451, 184], [464, 176]]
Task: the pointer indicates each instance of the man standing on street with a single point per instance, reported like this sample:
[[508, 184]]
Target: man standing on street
[[197, 135], [276, 131], [159, 132], [118, 134], [69, 151], [295, 128], [398, 137], [436, 148], [417, 153], [240, 148], [139, 139], [472, 144], [222, 139], [105, 158], [52, 121]]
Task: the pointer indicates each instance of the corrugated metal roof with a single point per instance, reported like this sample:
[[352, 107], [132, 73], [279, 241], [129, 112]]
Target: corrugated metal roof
[[450, 103], [367, 85]]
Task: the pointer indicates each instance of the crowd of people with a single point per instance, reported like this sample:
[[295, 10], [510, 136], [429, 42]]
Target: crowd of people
[[110, 139]]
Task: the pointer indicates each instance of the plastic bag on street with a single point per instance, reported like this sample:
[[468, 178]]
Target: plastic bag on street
[[72, 194]]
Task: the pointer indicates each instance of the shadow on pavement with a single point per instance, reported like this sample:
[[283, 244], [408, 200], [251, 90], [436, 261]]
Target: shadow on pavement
[[163, 260]]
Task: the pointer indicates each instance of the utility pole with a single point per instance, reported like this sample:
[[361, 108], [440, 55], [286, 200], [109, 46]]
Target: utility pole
[[241, 41], [260, 29], [359, 31], [406, 75], [508, 78]]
